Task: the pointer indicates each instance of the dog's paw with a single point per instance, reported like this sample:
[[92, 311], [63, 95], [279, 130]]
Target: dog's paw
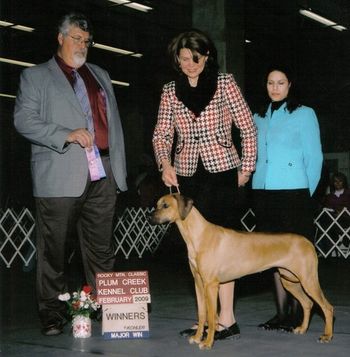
[[194, 339], [205, 345], [325, 339], [299, 330]]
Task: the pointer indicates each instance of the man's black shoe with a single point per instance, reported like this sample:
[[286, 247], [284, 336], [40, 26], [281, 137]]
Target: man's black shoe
[[53, 329], [53, 323]]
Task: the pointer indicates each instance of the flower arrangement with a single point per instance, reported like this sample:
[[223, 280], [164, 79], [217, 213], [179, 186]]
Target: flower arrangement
[[80, 302]]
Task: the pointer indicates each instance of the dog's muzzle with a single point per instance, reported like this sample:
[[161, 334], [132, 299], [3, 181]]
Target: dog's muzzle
[[151, 218]]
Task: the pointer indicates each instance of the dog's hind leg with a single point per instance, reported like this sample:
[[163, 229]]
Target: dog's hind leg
[[292, 284], [312, 287]]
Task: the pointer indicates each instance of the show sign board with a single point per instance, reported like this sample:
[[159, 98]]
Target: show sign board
[[125, 321], [124, 297]]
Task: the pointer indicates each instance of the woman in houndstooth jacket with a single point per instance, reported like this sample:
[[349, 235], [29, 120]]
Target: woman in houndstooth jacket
[[202, 106]]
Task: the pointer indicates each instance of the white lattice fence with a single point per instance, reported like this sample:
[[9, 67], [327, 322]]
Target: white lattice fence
[[248, 220], [332, 236], [333, 233], [16, 238], [134, 235], [133, 232]]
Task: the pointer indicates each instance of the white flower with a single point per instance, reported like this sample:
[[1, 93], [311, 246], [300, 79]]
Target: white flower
[[79, 302], [64, 297]]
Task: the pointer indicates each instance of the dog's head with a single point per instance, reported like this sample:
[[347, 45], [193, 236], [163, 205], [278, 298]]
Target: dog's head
[[171, 208]]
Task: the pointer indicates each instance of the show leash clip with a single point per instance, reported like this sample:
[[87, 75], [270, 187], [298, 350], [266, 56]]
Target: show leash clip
[[177, 188]]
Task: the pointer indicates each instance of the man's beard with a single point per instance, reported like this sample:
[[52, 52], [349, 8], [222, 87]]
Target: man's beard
[[79, 58]]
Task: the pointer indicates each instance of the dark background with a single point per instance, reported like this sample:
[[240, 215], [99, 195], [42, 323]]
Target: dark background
[[276, 31]]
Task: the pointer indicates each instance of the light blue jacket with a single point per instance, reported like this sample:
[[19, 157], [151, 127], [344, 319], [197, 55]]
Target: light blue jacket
[[289, 150]]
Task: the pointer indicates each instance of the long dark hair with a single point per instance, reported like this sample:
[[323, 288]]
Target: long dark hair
[[197, 42], [292, 101]]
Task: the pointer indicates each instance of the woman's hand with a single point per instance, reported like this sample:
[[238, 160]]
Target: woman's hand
[[243, 178], [169, 175]]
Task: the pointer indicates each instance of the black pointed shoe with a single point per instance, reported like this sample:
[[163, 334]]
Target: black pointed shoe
[[189, 331], [288, 324], [272, 324], [228, 333]]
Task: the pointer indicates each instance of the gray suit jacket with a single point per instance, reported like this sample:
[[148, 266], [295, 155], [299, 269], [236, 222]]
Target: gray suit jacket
[[46, 110]]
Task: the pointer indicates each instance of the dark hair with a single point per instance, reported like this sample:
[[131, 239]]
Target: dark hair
[[291, 101], [74, 19], [197, 42], [341, 177]]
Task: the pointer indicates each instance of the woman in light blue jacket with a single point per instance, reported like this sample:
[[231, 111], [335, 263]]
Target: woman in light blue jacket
[[288, 170]]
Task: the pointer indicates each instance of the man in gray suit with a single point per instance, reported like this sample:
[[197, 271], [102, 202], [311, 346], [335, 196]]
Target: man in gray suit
[[67, 109]]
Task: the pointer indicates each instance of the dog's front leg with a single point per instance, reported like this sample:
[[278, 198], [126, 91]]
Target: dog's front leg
[[201, 308], [211, 297]]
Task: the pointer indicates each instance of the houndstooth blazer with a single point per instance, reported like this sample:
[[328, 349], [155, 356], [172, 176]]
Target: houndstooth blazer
[[209, 135]]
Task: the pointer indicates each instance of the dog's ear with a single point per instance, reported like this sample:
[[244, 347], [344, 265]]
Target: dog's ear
[[185, 204]]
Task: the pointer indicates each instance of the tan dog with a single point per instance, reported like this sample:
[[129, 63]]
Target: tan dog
[[218, 255]]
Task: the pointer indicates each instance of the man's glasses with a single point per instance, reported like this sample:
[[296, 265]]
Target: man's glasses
[[80, 40]]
